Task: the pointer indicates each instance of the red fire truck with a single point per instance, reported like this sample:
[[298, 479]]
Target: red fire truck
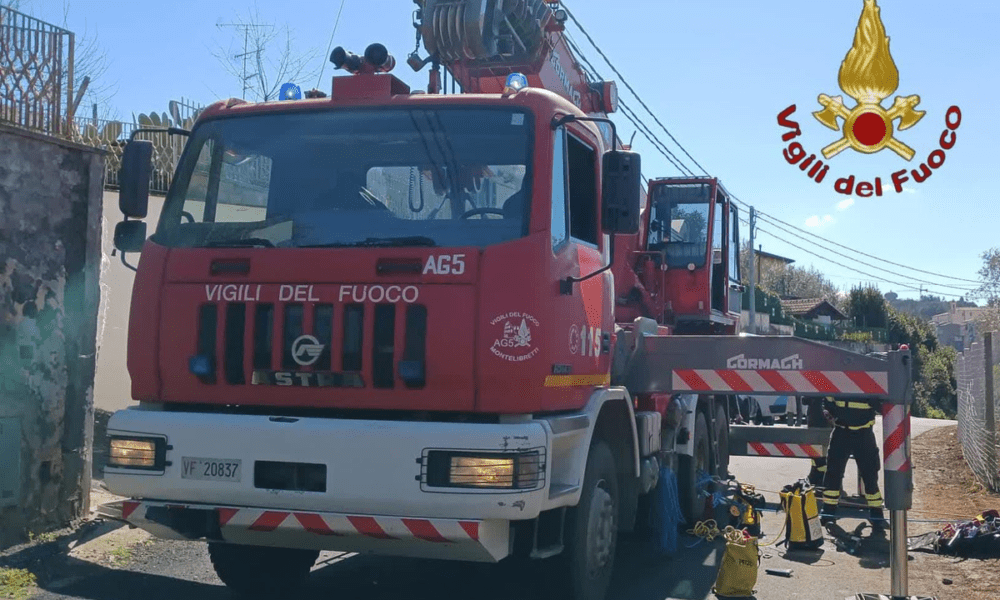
[[413, 323]]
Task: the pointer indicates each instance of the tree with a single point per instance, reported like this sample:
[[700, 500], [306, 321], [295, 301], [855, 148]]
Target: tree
[[867, 307], [261, 57], [789, 281], [989, 290]]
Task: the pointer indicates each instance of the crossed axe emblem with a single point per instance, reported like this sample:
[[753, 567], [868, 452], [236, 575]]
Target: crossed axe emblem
[[868, 127]]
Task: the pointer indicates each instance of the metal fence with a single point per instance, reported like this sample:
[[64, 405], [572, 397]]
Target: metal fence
[[36, 73], [113, 135], [976, 412]]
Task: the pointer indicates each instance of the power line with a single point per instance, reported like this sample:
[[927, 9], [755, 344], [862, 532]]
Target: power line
[[630, 88], [871, 255], [849, 268], [773, 222], [627, 111], [326, 58]]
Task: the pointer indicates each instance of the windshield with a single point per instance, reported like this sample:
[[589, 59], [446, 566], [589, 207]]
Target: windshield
[[679, 223], [353, 177]]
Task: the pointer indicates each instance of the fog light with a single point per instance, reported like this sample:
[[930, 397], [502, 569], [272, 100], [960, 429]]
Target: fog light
[[136, 453], [484, 470]]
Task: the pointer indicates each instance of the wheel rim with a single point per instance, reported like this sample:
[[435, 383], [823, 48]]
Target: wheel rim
[[601, 524]]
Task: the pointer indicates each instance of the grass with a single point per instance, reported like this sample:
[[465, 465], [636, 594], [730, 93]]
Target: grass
[[121, 555], [43, 538], [16, 583]]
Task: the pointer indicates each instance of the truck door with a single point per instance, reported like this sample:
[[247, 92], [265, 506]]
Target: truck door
[[579, 249]]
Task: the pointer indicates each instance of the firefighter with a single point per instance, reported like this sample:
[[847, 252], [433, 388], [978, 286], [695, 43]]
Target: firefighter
[[853, 434]]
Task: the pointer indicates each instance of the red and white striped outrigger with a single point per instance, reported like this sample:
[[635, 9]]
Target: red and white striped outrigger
[[768, 365]]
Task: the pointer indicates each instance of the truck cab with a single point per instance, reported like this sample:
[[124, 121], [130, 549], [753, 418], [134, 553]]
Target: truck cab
[[382, 321]]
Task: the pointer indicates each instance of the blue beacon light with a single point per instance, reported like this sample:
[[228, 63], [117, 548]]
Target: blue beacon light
[[515, 83]]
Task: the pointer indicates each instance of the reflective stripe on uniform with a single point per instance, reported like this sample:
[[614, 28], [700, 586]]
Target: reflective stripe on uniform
[[874, 500], [857, 427], [831, 497], [858, 405]]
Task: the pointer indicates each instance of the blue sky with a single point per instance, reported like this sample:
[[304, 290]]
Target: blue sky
[[717, 73]]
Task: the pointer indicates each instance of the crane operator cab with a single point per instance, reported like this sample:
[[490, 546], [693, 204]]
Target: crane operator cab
[[694, 228]]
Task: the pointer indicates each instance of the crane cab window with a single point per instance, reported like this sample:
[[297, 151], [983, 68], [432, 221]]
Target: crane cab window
[[679, 223], [582, 167]]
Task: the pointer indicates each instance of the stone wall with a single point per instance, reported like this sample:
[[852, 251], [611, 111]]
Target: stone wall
[[50, 240]]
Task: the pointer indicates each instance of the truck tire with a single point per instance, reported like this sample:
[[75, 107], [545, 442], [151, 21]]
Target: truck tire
[[584, 568], [693, 505], [721, 434], [261, 571]]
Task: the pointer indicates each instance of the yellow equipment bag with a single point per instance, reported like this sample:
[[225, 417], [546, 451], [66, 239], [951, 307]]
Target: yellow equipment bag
[[738, 573], [802, 526]]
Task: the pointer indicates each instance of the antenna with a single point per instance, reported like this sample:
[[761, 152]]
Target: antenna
[[246, 42]]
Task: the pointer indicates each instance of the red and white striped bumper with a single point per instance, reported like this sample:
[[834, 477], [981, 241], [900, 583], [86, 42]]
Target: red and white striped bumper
[[469, 540]]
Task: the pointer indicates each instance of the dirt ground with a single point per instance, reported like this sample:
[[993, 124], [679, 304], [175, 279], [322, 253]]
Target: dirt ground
[[945, 488]]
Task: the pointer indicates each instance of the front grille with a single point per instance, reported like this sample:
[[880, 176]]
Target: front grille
[[358, 344]]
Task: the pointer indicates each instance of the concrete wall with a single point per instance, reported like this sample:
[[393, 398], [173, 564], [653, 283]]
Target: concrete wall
[[50, 233], [112, 386]]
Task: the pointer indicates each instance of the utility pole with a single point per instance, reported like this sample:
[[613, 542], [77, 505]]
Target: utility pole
[[753, 274], [246, 42]]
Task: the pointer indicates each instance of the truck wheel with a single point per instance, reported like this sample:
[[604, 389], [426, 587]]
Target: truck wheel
[[721, 434], [585, 566], [688, 468], [261, 571]]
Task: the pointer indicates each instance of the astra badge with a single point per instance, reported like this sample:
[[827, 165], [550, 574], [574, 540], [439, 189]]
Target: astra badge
[[306, 350]]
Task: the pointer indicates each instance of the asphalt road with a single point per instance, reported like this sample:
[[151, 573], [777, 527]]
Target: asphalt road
[[181, 570]]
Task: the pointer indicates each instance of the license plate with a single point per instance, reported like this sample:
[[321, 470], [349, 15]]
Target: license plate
[[211, 469]]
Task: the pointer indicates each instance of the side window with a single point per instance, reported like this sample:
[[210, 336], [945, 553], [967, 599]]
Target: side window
[[734, 247], [717, 233], [560, 223], [197, 191], [582, 191]]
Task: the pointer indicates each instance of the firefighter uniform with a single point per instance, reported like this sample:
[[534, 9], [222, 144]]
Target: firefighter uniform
[[853, 434]]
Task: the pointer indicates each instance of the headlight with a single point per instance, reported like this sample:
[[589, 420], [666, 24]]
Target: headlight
[[137, 453], [507, 470]]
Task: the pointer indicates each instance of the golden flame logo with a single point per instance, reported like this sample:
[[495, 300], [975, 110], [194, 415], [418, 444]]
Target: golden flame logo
[[869, 75]]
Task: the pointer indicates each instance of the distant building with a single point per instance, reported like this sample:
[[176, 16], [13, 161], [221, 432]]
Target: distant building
[[766, 259], [817, 310], [957, 327]]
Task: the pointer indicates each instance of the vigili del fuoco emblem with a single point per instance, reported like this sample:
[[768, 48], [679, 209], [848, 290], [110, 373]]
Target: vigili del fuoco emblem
[[868, 74]]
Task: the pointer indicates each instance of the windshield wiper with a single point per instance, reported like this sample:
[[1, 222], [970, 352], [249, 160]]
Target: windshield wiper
[[392, 242], [241, 243]]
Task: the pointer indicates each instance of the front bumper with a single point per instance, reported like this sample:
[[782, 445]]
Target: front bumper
[[372, 467], [469, 540]]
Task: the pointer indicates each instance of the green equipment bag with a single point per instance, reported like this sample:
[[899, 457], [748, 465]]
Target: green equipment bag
[[738, 572], [802, 526]]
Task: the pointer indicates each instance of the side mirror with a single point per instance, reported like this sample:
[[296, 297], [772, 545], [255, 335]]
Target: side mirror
[[620, 192], [130, 236], [133, 179]]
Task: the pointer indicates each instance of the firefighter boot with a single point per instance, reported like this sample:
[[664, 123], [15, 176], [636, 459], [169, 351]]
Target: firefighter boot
[[877, 518]]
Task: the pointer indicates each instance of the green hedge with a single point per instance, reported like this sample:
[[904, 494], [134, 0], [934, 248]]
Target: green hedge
[[770, 303]]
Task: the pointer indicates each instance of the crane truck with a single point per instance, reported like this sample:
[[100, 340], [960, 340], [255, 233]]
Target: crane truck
[[413, 323]]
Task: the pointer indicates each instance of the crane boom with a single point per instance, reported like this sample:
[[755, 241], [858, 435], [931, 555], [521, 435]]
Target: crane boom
[[481, 42]]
